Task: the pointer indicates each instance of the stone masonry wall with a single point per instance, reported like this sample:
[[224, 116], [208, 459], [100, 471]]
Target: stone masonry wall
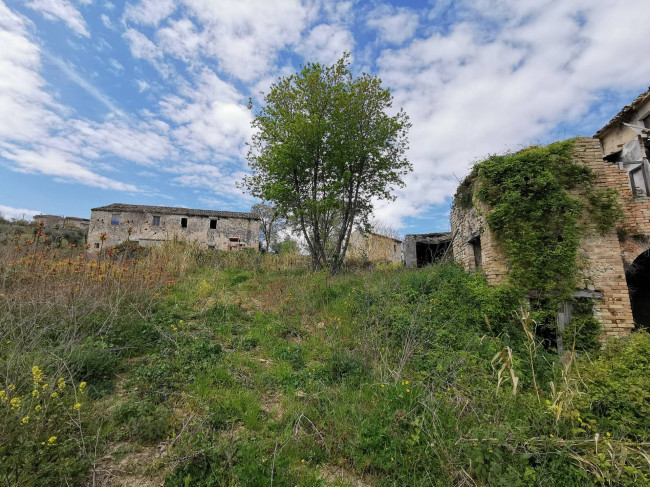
[[466, 225], [198, 229]]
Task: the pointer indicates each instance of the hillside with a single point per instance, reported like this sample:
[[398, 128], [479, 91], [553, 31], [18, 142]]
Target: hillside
[[197, 368]]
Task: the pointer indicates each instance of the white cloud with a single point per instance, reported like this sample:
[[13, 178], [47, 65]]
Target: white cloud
[[12, 213], [326, 43], [395, 25], [61, 10], [468, 95], [106, 20], [142, 85], [149, 12]]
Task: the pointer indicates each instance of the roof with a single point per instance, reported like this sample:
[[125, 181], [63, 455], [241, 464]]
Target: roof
[[431, 238], [174, 210], [625, 113]]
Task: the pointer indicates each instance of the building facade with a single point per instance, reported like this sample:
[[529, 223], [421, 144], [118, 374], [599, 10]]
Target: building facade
[[62, 221], [152, 225], [425, 249], [374, 247]]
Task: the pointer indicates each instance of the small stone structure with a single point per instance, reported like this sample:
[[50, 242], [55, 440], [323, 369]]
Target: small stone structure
[[374, 247], [151, 225], [616, 264], [425, 249], [62, 221]]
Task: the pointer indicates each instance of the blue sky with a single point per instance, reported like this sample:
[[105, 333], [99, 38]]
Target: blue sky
[[144, 101]]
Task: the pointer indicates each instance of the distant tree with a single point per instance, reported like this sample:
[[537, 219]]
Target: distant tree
[[382, 228], [325, 147], [270, 223], [287, 246]]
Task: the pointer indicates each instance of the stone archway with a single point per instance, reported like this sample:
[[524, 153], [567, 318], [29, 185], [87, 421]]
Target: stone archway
[[638, 283]]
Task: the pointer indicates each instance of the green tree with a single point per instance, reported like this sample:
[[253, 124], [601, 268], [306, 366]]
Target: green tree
[[325, 147], [270, 223]]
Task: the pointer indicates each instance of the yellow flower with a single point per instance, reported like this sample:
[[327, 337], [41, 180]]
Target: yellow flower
[[36, 393], [408, 390], [608, 434], [15, 403], [302, 461], [38, 407], [37, 374], [406, 382], [77, 406], [82, 386], [392, 459], [54, 395], [61, 383], [3, 395], [25, 420], [383, 385], [45, 386], [51, 440], [11, 387]]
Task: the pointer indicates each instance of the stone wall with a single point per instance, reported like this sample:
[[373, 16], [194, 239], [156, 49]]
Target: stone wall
[[374, 247], [198, 230], [469, 229]]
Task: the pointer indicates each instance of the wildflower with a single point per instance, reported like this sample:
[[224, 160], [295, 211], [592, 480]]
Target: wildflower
[[392, 459], [36, 393], [82, 386], [45, 386], [61, 383], [8, 342], [551, 436], [302, 461], [408, 390], [15, 403], [383, 386], [37, 374], [608, 434], [54, 395], [3, 395], [406, 382], [51, 440], [25, 420], [11, 387], [38, 407], [77, 406]]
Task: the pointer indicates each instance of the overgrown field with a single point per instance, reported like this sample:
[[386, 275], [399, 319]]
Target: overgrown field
[[195, 368]]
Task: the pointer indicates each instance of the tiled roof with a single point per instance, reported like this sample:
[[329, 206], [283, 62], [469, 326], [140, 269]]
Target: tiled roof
[[624, 114], [174, 210]]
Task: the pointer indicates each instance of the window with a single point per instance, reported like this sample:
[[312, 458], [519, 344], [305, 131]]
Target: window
[[97, 245], [213, 224], [115, 219], [183, 222], [156, 221], [476, 250], [646, 122], [639, 181]]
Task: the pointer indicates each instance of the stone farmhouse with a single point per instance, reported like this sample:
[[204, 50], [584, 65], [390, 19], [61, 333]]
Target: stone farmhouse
[[374, 247], [62, 221], [617, 271], [151, 225]]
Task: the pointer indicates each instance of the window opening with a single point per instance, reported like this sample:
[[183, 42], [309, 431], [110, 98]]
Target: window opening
[[476, 250], [115, 219], [156, 221], [97, 245], [183, 222], [213, 224]]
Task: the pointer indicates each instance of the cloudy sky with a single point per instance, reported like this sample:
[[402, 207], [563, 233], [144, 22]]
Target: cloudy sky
[[144, 101]]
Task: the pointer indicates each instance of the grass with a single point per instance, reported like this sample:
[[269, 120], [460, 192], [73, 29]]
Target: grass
[[249, 372]]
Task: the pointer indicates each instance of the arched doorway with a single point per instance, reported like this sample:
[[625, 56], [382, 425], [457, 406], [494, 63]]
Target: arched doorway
[[638, 283]]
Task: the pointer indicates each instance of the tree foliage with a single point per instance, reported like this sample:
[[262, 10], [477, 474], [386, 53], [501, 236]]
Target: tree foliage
[[270, 223], [324, 148]]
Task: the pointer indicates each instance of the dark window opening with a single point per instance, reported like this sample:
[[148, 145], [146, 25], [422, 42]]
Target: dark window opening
[[213, 224], [476, 251], [211, 247], [638, 284], [394, 248], [97, 245], [429, 253], [183, 222], [639, 181], [115, 219], [646, 122], [156, 221]]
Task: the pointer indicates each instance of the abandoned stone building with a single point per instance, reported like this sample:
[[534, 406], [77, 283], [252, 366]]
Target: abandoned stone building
[[616, 273], [425, 249], [62, 221], [374, 247], [151, 225]]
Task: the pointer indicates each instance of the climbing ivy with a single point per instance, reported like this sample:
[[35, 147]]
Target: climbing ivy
[[535, 217]]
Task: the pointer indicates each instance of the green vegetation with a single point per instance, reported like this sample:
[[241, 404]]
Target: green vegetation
[[197, 370], [324, 148], [537, 215]]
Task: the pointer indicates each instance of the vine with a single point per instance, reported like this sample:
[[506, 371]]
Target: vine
[[535, 217]]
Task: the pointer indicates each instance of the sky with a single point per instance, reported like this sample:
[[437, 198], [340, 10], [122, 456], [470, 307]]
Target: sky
[[145, 101]]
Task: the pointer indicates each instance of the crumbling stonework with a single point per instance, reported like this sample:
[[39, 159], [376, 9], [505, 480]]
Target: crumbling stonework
[[151, 225], [425, 249], [374, 247]]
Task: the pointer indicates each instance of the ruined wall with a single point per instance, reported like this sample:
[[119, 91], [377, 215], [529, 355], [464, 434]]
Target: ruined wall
[[468, 228], [374, 247], [618, 135], [599, 256], [198, 229]]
